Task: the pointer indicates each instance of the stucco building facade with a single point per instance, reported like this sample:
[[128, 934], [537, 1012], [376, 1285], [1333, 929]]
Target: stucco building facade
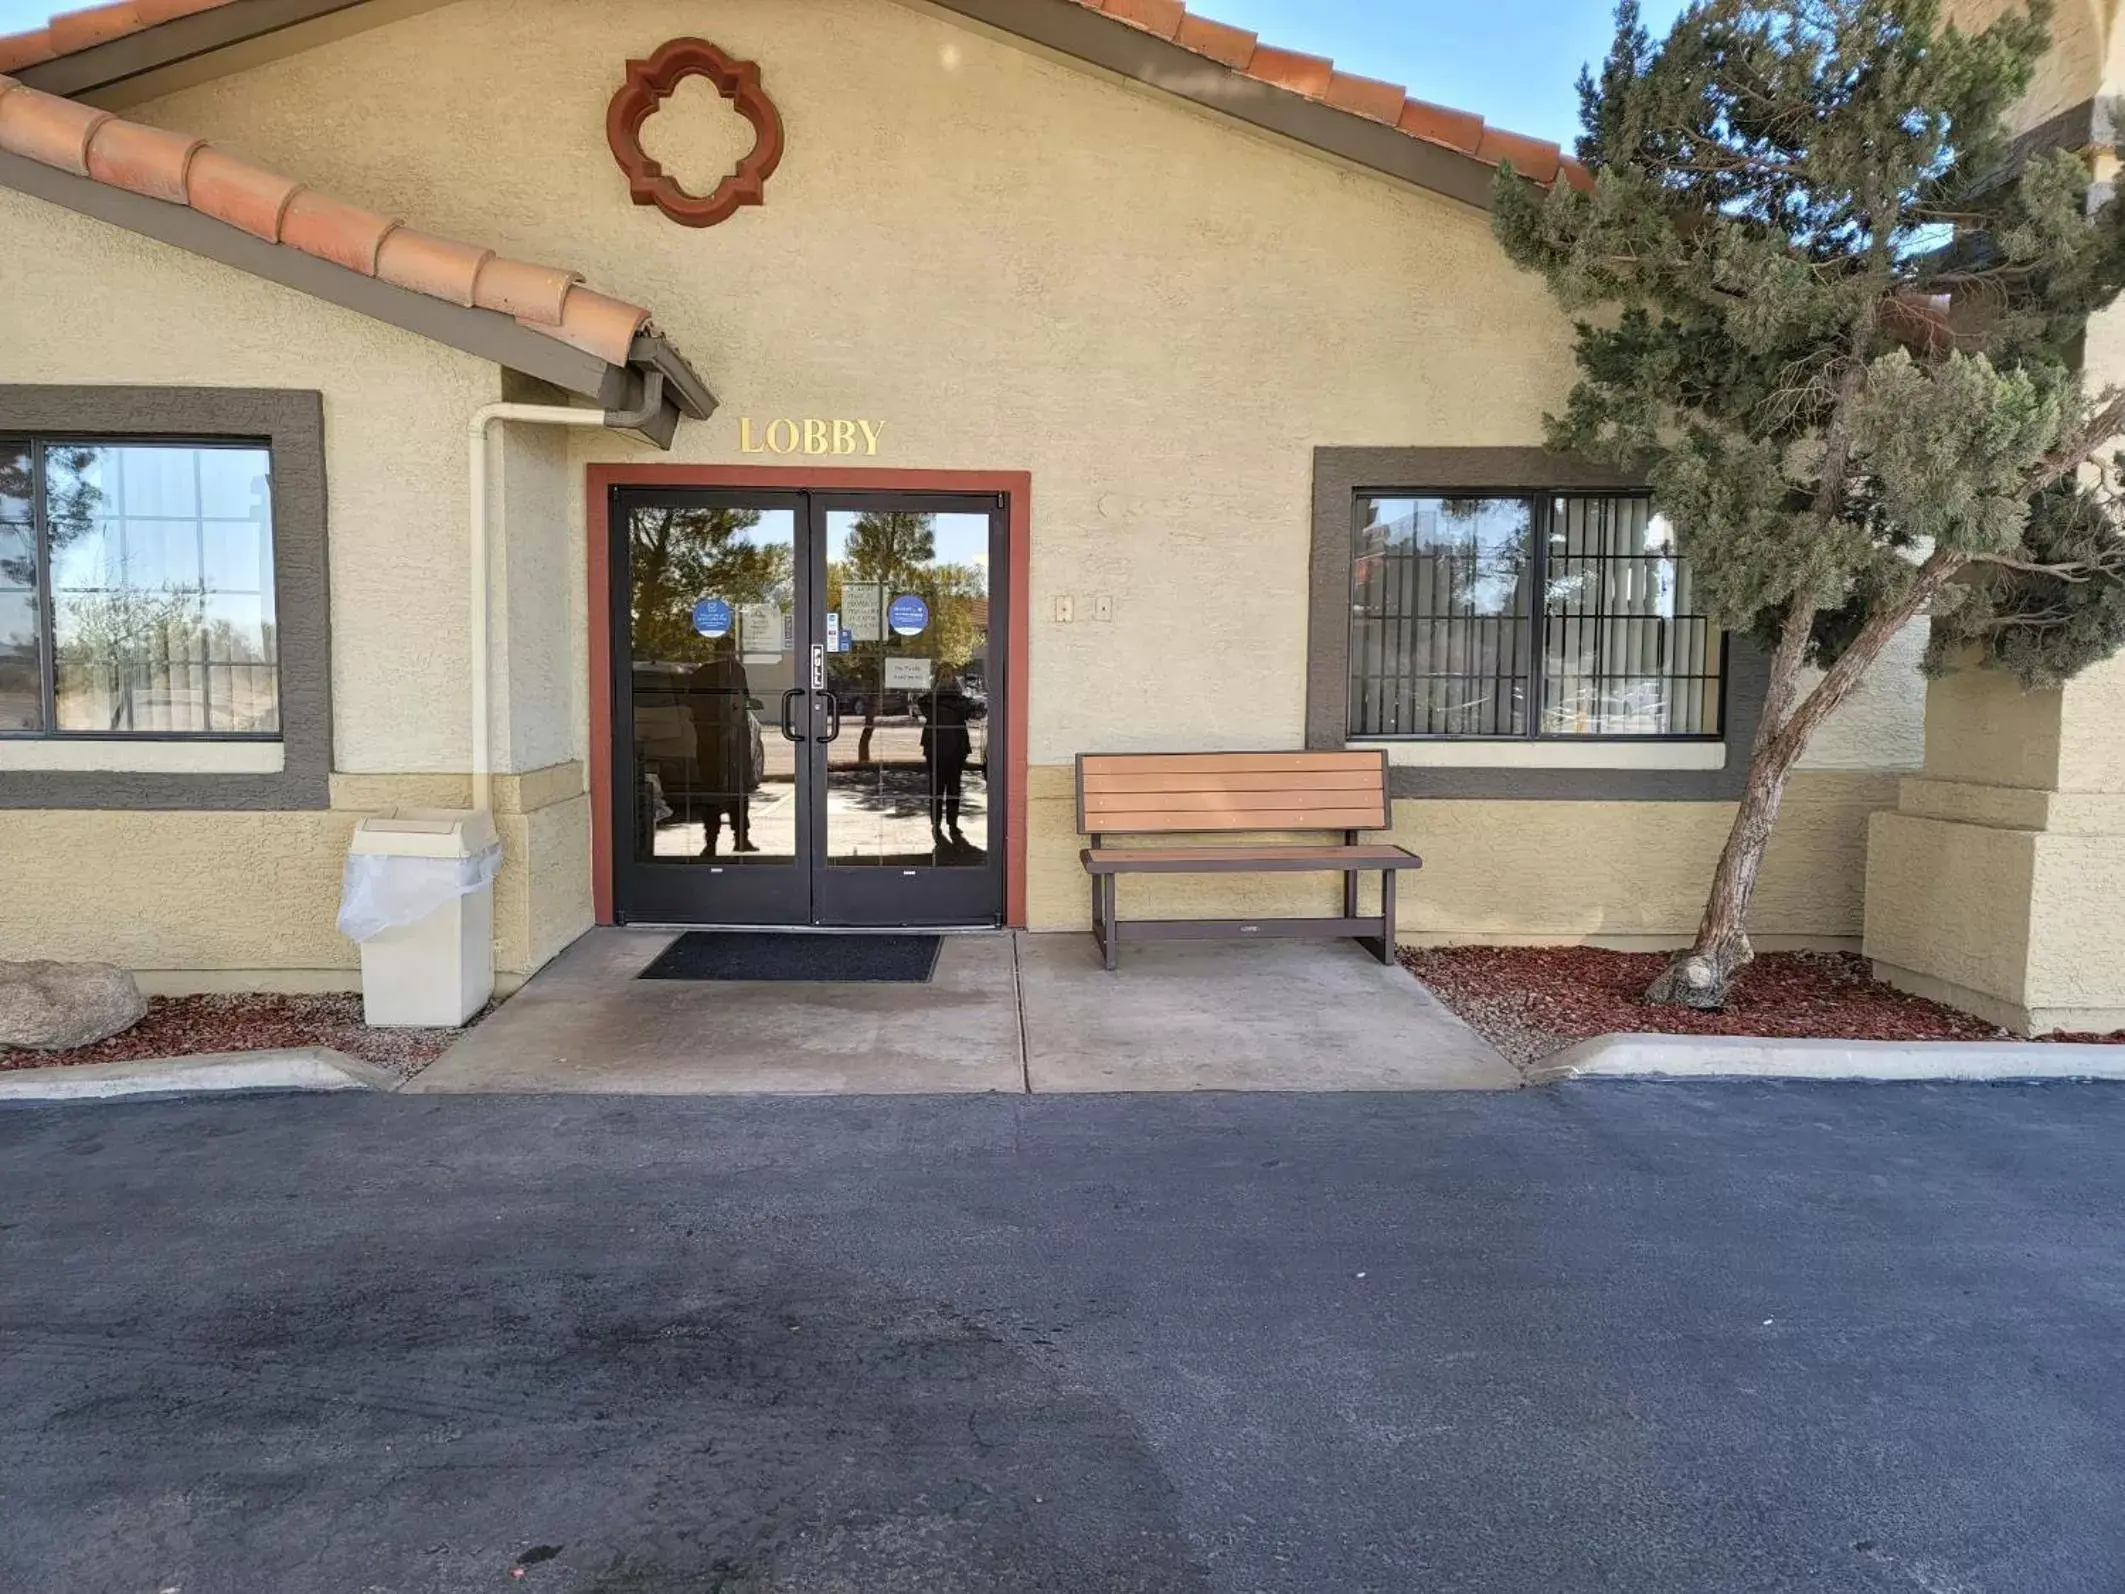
[[1188, 357]]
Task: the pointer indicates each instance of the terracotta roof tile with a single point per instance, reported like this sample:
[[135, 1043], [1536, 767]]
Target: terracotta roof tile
[[442, 268], [597, 324], [1531, 157], [47, 128], [239, 193], [81, 30], [148, 160], [536, 295], [1224, 44], [1162, 17], [18, 50], [175, 169], [84, 29], [1366, 96], [334, 230], [1290, 69], [1462, 130]]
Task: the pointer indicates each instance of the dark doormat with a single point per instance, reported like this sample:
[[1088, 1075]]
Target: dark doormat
[[746, 955]]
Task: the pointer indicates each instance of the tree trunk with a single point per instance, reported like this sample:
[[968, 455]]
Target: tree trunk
[[1702, 976]]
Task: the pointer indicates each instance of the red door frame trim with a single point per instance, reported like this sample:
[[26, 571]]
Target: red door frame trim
[[1015, 486]]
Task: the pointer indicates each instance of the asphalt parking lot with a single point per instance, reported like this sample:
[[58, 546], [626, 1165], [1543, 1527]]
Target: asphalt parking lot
[[1639, 1337]]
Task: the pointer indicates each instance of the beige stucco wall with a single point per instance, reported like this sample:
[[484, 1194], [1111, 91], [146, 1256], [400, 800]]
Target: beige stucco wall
[[207, 898], [84, 302], [1996, 883], [1613, 873], [2083, 39], [1002, 260]]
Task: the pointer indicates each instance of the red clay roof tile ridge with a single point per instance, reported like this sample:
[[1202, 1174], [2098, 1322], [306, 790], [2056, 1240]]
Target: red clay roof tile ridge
[[1316, 78], [181, 170], [69, 32]]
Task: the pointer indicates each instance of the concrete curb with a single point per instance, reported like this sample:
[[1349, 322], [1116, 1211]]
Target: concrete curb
[[1750, 1057], [285, 1068]]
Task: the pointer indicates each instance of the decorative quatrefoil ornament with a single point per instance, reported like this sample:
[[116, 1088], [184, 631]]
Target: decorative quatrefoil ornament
[[649, 84]]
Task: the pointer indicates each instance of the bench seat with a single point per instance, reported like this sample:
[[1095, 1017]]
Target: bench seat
[[1248, 860]]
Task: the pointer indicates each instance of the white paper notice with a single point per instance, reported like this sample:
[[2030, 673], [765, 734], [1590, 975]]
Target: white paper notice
[[908, 675], [863, 611], [760, 628]]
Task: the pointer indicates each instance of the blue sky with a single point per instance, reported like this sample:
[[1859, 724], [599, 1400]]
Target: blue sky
[[1511, 61]]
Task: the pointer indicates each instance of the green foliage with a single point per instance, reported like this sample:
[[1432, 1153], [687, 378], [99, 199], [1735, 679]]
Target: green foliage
[[680, 556], [899, 549], [2044, 624], [1831, 313]]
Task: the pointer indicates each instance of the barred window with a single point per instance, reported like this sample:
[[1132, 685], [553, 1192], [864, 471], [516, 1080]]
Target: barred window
[[136, 589], [1551, 615]]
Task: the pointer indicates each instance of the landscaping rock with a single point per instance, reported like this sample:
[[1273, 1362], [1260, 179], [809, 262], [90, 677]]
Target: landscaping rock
[[51, 1007]]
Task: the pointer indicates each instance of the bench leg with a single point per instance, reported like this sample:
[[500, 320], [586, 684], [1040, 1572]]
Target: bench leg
[[1103, 919], [1381, 946]]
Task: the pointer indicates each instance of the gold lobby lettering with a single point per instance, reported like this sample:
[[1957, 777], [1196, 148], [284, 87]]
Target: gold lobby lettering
[[811, 435]]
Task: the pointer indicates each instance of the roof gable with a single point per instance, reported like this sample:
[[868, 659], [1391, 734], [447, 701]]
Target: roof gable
[[1160, 43]]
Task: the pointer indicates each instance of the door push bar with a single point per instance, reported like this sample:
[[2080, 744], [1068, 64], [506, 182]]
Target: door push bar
[[819, 689]]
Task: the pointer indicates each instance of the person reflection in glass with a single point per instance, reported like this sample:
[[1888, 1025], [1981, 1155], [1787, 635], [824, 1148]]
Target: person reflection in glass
[[947, 745], [723, 747]]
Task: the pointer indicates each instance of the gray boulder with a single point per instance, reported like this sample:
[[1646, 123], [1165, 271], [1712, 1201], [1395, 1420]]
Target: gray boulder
[[49, 1007]]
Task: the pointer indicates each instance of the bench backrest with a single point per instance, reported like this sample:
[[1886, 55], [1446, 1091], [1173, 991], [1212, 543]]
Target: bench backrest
[[1171, 793]]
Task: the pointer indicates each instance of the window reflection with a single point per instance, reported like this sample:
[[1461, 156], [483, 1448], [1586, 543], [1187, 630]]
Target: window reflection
[[908, 778], [161, 588], [21, 646], [710, 615]]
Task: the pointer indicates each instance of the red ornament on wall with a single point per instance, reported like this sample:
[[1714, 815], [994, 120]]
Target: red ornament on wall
[[649, 84]]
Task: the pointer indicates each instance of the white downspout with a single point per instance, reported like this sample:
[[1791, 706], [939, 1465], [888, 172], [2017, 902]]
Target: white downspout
[[483, 419]]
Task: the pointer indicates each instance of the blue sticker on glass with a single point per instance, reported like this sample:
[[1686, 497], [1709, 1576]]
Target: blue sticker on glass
[[908, 615], [712, 617]]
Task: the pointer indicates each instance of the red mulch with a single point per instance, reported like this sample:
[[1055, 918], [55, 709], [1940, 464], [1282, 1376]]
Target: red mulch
[[185, 1026], [1528, 1000]]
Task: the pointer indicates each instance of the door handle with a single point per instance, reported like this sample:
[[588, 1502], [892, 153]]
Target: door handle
[[789, 724], [833, 716]]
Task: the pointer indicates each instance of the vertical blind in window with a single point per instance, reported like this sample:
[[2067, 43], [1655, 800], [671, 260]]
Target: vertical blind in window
[[1450, 594]]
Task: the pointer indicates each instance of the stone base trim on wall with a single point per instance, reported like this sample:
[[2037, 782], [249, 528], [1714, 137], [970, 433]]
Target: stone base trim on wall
[[245, 900], [1664, 941], [2011, 1016]]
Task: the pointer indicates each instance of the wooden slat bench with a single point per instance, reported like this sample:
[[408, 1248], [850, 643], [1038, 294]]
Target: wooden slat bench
[[1199, 794]]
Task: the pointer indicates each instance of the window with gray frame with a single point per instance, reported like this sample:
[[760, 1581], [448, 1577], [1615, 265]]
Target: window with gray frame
[[1552, 615], [137, 588]]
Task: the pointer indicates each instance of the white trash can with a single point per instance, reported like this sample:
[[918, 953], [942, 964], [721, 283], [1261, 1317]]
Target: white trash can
[[419, 898]]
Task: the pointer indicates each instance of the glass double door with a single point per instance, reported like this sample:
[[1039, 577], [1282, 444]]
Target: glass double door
[[803, 687]]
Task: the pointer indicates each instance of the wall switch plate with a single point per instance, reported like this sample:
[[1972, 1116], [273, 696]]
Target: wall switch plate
[[1103, 607], [1063, 614]]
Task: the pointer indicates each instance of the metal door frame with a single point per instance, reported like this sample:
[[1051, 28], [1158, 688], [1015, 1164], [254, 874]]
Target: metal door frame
[[850, 896], [811, 892]]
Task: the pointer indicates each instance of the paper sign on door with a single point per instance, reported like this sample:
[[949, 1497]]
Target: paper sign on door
[[760, 627], [863, 610], [908, 675]]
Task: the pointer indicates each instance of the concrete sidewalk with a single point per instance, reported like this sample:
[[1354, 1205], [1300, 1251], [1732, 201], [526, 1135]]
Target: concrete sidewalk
[[1010, 1013]]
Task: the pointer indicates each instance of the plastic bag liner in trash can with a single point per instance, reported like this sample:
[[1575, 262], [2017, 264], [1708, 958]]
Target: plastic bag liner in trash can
[[381, 892]]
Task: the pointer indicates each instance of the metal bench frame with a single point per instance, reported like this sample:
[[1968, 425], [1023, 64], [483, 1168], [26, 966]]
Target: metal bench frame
[[1375, 933]]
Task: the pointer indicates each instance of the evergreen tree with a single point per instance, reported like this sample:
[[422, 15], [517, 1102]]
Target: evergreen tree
[[1833, 311]]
